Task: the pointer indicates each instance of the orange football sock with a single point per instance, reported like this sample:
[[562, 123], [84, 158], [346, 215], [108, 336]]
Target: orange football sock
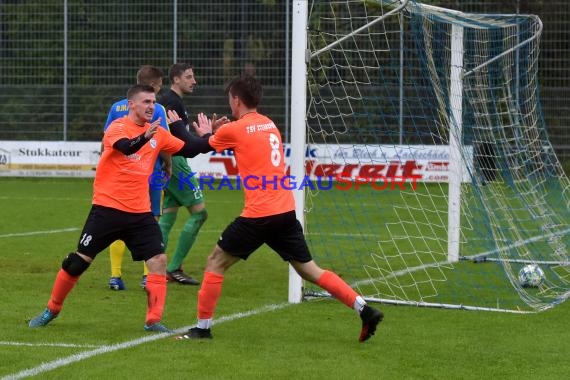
[[336, 286], [156, 296], [63, 284], [209, 294]]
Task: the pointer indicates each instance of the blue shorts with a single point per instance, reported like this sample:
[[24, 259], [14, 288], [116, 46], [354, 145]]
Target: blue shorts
[[156, 195], [156, 201]]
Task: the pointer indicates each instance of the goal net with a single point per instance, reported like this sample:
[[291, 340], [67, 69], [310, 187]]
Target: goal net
[[436, 179]]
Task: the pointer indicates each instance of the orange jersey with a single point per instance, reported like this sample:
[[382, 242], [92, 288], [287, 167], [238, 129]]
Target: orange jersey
[[258, 150], [121, 182]]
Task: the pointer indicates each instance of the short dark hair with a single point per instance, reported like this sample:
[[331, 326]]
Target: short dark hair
[[148, 74], [247, 88], [177, 70], [137, 89]]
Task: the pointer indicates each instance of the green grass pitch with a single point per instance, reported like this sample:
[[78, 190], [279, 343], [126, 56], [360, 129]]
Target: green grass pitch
[[257, 336]]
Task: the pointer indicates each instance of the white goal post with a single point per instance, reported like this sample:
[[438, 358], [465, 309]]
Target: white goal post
[[299, 56]]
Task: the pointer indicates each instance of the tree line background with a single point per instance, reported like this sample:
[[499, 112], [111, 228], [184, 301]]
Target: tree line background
[[62, 67]]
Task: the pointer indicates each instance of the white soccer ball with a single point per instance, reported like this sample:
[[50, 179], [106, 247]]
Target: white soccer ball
[[531, 276]]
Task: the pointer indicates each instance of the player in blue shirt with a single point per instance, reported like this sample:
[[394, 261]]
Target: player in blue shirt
[[152, 76]]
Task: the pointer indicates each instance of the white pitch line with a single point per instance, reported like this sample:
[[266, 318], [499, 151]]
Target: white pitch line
[[31, 233], [6, 198], [71, 345], [49, 366]]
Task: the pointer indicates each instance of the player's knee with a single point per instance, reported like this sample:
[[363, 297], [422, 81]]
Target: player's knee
[[197, 218], [200, 216], [74, 265], [157, 263], [219, 261], [161, 259]]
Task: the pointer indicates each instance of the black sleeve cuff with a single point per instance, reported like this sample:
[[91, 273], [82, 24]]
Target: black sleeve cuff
[[130, 146]]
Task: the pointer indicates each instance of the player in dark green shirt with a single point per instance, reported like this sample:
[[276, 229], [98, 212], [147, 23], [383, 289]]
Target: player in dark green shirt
[[176, 195]]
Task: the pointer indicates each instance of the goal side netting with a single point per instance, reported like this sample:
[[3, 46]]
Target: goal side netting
[[437, 179]]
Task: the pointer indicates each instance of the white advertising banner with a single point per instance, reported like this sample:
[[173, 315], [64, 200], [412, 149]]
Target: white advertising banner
[[421, 163], [48, 158]]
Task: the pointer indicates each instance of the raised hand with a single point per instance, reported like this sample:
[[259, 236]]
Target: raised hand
[[172, 116], [152, 130], [217, 123], [203, 126]]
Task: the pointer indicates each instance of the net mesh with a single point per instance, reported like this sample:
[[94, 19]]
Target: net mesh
[[382, 116]]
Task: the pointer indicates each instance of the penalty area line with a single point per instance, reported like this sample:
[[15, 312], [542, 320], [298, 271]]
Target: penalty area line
[[70, 345], [61, 362], [31, 233]]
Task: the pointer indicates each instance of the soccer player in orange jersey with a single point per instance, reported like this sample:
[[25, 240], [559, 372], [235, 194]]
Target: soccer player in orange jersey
[[151, 75], [268, 215], [121, 203]]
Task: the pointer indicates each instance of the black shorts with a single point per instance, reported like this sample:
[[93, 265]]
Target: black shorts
[[282, 232], [104, 225]]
